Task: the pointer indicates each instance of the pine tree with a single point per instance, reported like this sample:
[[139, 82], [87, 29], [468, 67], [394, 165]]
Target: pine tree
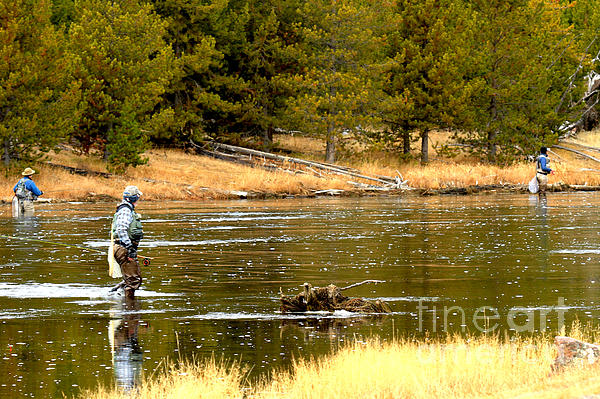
[[268, 57], [339, 44], [191, 94], [37, 98], [581, 20], [524, 59], [125, 66], [425, 75], [62, 12]]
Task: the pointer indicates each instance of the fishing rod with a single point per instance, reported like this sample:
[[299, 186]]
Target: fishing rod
[[146, 259]]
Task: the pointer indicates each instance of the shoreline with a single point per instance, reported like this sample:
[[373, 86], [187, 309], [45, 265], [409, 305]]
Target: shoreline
[[222, 195], [172, 174]]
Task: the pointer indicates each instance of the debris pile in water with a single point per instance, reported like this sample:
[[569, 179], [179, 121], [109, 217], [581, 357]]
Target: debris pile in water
[[329, 299]]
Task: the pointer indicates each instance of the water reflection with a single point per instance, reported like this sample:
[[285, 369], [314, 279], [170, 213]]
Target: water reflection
[[26, 225], [127, 354], [327, 326], [541, 213]]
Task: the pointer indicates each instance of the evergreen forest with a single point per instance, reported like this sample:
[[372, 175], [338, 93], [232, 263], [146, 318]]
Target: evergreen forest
[[116, 77]]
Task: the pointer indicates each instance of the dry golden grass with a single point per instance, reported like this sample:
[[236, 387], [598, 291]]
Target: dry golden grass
[[458, 367], [209, 380], [463, 171], [176, 175], [588, 138], [169, 174], [301, 144]]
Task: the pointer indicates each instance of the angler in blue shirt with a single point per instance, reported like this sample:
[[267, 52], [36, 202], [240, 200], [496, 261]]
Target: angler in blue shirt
[[542, 170], [25, 193]]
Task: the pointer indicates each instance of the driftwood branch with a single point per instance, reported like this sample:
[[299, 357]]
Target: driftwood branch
[[587, 147], [555, 155], [577, 152], [361, 283], [79, 171], [290, 164], [318, 165]]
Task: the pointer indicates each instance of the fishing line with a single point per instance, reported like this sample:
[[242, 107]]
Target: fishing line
[[146, 259]]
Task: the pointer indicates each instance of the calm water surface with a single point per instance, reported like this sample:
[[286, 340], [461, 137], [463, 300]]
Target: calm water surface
[[214, 284]]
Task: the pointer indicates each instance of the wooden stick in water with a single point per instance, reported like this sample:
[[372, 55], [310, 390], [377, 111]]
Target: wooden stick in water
[[361, 283]]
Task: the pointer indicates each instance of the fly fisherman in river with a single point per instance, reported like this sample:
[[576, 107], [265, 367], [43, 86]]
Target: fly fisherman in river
[[25, 193], [127, 232], [542, 170]]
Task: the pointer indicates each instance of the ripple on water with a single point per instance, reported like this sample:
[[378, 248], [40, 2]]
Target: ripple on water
[[338, 314], [49, 290]]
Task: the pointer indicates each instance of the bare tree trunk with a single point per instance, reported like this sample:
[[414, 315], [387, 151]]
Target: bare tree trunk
[[492, 132], [405, 142], [268, 138], [425, 146], [330, 149], [106, 152], [491, 145], [6, 153]]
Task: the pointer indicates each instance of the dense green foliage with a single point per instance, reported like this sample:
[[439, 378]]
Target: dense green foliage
[[124, 66], [502, 76], [427, 76], [38, 97]]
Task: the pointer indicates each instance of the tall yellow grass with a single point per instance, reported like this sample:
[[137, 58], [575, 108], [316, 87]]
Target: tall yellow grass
[[462, 171], [458, 367], [169, 174], [176, 175]]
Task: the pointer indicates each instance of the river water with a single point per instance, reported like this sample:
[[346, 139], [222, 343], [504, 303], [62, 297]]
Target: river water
[[506, 263]]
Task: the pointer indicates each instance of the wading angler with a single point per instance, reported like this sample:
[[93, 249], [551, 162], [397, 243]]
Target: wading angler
[[25, 193], [126, 231]]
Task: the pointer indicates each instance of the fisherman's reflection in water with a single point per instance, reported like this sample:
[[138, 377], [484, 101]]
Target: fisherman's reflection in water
[[27, 226], [127, 354], [542, 230]]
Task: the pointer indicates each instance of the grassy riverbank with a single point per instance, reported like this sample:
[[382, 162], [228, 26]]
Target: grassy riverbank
[[477, 367], [176, 175]]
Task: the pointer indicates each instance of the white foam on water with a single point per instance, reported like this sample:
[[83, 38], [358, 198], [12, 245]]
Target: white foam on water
[[246, 218], [409, 299], [49, 290], [118, 313], [243, 316], [22, 315], [338, 314], [534, 308], [167, 243], [576, 251], [90, 302]]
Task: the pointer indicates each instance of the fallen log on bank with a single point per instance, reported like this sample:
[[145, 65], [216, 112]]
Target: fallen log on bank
[[287, 164], [329, 299], [583, 146], [581, 154]]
